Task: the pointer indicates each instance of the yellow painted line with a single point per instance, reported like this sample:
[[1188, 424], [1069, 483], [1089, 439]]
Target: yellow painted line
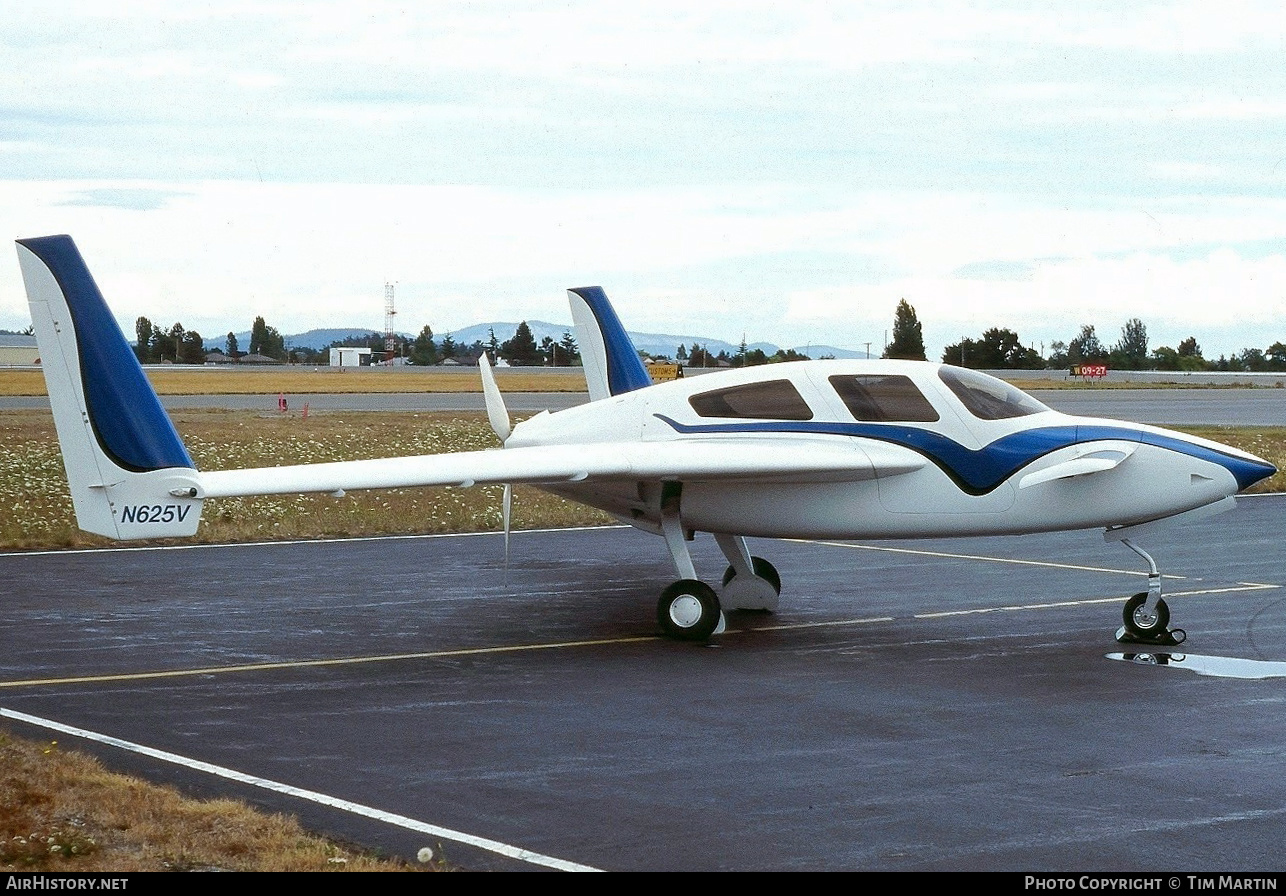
[[799, 625], [386, 658], [312, 664], [558, 645], [975, 611], [1240, 586], [950, 556]]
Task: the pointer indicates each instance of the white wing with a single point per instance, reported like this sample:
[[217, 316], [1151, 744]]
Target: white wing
[[689, 459]]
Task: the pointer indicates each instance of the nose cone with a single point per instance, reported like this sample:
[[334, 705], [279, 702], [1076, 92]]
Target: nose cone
[[1249, 470], [1245, 467]]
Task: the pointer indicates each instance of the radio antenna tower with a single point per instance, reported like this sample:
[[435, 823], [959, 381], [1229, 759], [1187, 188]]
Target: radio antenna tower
[[390, 346]]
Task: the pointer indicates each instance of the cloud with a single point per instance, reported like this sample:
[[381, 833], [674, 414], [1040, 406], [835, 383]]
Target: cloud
[[788, 172], [996, 270], [135, 198]]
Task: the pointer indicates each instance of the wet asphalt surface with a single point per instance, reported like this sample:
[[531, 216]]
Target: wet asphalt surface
[[936, 705]]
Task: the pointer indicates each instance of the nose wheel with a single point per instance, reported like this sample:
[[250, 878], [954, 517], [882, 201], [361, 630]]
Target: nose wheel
[[1142, 622], [1146, 615]]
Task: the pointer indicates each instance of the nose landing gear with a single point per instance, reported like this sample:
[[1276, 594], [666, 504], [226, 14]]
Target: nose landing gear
[[1146, 615]]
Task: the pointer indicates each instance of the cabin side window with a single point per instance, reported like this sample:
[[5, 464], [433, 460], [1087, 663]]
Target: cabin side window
[[773, 400], [884, 399], [986, 397]]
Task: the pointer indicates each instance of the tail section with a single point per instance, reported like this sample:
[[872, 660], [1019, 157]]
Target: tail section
[[129, 473], [612, 364]]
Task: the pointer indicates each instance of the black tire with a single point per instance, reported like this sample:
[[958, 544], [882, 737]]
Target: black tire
[[1140, 625], [688, 610], [762, 568]]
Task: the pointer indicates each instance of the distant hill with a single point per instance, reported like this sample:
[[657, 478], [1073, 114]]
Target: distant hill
[[504, 332], [314, 339], [321, 338], [652, 343]]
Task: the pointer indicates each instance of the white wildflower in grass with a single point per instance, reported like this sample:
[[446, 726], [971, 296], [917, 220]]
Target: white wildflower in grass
[[38, 509]]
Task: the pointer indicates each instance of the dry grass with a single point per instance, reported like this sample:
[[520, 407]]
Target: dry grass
[[63, 812], [35, 507], [1268, 442], [321, 380]]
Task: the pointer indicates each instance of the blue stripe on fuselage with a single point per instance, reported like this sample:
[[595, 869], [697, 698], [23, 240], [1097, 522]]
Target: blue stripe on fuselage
[[978, 472], [131, 426]]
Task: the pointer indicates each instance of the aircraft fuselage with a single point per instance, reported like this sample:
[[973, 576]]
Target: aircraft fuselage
[[994, 461]]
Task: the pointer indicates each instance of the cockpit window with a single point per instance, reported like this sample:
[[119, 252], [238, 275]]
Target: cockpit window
[[986, 397], [773, 400], [884, 398]]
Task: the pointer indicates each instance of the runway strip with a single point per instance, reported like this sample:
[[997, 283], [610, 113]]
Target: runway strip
[[410, 824]]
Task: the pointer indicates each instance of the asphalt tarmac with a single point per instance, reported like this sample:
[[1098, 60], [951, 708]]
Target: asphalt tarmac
[[911, 706]]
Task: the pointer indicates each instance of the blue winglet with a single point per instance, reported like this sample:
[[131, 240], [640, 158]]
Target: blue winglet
[[625, 370], [127, 418]]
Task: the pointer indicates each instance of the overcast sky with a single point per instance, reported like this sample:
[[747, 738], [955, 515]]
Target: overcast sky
[[787, 172]]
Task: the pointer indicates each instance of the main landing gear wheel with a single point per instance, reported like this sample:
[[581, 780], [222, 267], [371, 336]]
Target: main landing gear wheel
[[762, 568], [1142, 624], [688, 610]]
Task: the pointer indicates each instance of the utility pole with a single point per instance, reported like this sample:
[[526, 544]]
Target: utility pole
[[390, 343]]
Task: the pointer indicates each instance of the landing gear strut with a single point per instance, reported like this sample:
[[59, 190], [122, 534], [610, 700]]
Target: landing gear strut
[[1146, 615], [689, 609], [749, 583]]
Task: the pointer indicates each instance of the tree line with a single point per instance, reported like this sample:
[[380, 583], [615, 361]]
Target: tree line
[[997, 348], [699, 356], [521, 350], [1000, 348], [154, 345]]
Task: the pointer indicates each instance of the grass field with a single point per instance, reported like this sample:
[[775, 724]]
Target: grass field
[[321, 380], [295, 381], [37, 507]]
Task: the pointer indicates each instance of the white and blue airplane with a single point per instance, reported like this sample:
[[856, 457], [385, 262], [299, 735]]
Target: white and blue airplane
[[813, 449]]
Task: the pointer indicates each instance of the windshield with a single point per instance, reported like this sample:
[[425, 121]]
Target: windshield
[[986, 397]]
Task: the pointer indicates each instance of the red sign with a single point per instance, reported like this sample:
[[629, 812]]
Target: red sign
[[1098, 371]]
